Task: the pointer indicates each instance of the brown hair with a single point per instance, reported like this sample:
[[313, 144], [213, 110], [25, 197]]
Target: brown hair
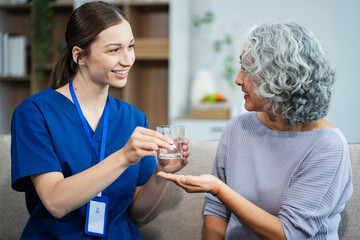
[[83, 26]]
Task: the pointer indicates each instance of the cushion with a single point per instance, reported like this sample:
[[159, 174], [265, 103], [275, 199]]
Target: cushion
[[179, 215], [350, 218], [13, 211]]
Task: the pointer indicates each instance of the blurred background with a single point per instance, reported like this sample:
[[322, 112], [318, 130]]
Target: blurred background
[[187, 56]]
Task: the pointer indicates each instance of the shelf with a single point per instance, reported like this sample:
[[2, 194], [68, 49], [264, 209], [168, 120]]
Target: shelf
[[15, 6], [152, 48], [148, 3], [15, 79], [147, 87], [55, 5], [149, 20], [201, 129]]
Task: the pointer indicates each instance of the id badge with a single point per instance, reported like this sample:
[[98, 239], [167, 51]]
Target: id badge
[[96, 216]]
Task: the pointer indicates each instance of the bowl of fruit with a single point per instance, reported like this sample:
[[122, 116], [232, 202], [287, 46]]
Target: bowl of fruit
[[212, 106], [213, 98]]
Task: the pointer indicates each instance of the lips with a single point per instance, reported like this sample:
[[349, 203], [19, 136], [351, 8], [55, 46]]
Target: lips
[[121, 73], [246, 95]]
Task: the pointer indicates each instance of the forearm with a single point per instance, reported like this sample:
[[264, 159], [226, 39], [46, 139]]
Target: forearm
[[260, 222], [147, 198], [62, 195], [214, 228]]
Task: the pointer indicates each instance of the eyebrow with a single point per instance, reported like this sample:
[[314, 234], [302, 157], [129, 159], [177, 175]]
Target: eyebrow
[[118, 44]]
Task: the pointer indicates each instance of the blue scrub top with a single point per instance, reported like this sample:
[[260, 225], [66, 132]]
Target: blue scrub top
[[48, 136]]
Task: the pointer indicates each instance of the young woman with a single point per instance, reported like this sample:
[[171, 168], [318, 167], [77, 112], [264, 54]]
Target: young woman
[[84, 159], [281, 171]]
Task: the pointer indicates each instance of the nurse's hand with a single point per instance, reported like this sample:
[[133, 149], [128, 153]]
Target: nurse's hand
[[144, 142], [195, 184], [174, 165]]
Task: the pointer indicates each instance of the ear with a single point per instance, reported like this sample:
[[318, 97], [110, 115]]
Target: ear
[[77, 55]]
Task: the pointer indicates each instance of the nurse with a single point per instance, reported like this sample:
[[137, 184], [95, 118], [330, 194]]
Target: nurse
[[85, 159]]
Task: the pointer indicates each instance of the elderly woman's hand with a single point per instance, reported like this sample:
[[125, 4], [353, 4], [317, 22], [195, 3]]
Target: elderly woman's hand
[[195, 184], [174, 165]]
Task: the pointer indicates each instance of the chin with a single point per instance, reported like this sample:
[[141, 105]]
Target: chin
[[119, 83], [248, 108]]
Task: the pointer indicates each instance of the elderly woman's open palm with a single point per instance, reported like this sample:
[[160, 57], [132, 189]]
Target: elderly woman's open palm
[[192, 184]]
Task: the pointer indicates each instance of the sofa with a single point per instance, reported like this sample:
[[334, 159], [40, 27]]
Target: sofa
[[178, 214]]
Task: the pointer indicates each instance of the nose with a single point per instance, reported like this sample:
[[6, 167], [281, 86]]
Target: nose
[[127, 58], [239, 80]]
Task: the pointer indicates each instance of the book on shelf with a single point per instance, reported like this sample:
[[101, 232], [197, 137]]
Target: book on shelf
[[12, 55]]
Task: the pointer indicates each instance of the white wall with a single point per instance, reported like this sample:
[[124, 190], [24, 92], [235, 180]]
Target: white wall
[[179, 58], [335, 23]]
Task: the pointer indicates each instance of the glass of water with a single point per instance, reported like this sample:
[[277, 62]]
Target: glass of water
[[176, 133]]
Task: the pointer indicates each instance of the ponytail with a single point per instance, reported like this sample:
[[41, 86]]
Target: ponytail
[[64, 70]]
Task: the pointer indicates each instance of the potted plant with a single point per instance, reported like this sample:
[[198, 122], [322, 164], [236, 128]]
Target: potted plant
[[41, 25]]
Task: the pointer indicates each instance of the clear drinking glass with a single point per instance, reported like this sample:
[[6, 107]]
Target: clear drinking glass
[[176, 133]]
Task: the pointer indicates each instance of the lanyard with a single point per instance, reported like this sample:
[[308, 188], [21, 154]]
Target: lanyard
[[85, 125]]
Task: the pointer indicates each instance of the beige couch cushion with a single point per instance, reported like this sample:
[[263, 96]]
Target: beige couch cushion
[[350, 223], [179, 215], [13, 213]]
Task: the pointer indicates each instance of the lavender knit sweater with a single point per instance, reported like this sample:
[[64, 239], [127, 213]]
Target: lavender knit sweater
[[303, 178]]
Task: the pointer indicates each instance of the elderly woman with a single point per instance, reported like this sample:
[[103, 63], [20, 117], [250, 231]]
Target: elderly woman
[[281, 171]]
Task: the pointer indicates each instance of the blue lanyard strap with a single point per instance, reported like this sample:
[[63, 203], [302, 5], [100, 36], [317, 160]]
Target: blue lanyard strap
[[85, 125]]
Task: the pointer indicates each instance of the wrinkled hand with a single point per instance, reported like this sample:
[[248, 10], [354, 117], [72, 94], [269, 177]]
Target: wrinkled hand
[[174, 165], [144, 142], [195, 184]]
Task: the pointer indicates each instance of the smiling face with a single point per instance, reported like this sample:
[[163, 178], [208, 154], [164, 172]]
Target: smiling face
[[248, 85], [111, 56]]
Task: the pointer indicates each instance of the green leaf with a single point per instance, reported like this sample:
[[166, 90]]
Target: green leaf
[[228, 39], [218, 46], [209, 17], [196, 21]]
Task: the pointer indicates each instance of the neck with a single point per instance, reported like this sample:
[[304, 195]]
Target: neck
[[276, 123], [92, 98], [89, 93]]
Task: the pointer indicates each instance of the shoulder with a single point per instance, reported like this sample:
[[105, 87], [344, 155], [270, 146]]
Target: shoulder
[[34, 102], [245, 118], [125, 111], [330, 138], [242, 122], [33, 110], [238, 126], [328, 148], [120, 105]]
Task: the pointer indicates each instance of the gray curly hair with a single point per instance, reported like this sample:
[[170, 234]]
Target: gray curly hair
[[292, 71]]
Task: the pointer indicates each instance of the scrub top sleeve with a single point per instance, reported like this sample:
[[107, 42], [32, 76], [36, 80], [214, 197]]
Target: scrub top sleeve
[[147, 168], [32, 150], [147, 164], [320, 187]]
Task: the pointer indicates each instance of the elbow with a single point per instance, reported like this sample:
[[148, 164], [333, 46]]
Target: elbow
[[55, 210], [138, 219], [57, 214]]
